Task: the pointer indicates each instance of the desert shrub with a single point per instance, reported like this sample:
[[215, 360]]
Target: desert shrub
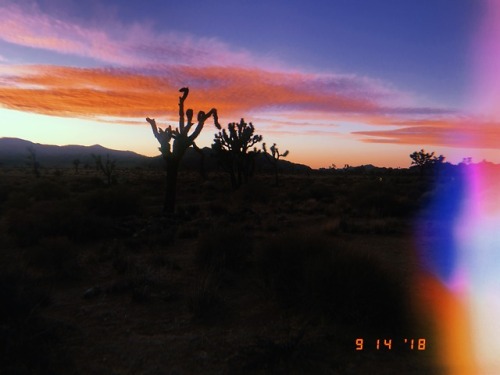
[[312, 275], [223, 249], [5, 190], [85, 183], [205, 302], [321, 192], [376, 198], [17, 199], [57, 257], [55, 218], [113, 201], [252, 192], [48, 190]]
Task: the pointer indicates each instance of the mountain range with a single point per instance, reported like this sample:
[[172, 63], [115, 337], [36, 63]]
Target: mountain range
[[15, 152]]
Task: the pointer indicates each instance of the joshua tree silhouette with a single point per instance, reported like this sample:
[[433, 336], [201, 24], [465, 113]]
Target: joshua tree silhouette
[[274, 157], [107, 168], [182, 140], [33, 162], [232, 150], [424, 160]]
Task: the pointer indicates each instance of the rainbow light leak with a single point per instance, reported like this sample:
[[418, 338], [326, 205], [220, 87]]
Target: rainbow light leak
[[459, 237]]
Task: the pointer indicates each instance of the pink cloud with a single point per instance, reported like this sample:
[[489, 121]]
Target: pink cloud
[[115, 43]]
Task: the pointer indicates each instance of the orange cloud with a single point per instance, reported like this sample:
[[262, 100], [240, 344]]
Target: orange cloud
[[466, 133], [80, 92], [285, 101]]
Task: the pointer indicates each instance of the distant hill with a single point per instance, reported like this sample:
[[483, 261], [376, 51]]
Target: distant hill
[[14, 152]]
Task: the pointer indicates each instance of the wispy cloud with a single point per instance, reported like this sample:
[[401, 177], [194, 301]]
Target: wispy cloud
[[472, 132], [113, 42], [234, 90]]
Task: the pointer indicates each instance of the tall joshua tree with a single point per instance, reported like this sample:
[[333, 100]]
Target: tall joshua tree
[[231, 147], [182, 140], [274, 157]]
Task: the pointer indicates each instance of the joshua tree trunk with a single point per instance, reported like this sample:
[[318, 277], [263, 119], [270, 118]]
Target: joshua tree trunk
[[171, 187], [203, 171]]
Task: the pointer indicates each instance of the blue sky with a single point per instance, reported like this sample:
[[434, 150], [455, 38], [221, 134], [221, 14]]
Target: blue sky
[[364, 72]]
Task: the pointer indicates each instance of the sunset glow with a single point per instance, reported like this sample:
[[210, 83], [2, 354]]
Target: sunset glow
[[341, 82], [117, 66]]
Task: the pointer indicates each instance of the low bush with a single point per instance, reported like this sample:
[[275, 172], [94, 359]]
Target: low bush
[[55, 218], [206, 303], [57, 257], [48, 190], [113, 201], [223, 249]]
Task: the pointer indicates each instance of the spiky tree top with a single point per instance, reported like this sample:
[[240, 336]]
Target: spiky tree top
[[238, 139], [274, 151], [182, 138], [422, 158]]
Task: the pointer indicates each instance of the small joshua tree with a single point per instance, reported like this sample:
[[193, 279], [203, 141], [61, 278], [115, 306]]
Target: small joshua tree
[[182, 140], [274, 157], [231, 148], [107, 168], [76, 164], [33, 162], [424, 160]]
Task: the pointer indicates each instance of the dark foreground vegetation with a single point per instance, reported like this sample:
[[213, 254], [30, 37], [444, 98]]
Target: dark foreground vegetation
[[265, 279]]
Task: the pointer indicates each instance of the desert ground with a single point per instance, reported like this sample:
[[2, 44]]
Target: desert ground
[[262, 280]]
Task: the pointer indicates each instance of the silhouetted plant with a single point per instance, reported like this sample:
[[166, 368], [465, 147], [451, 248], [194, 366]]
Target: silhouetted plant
[[466, 161], [113, 202], [424, 160], [274, 158], [33, 162], [231, 148], [76, 164], [200, 152], [107, 168], [182, 140]]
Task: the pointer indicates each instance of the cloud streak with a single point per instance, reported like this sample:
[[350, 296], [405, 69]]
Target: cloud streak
[[112, 43], [86, 92], [473, 132]]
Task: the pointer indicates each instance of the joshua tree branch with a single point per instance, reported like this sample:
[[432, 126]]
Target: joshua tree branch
[[185, 93]]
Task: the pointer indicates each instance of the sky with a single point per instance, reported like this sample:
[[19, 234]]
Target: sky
[[334, 82]]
